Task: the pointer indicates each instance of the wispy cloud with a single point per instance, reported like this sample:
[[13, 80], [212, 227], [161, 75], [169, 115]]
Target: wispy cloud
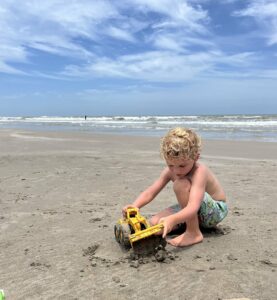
[[58, 29], [151, 40], [5, 68], [178, 13], [120, 34], [264, 13], [163, 66], [51, 27]]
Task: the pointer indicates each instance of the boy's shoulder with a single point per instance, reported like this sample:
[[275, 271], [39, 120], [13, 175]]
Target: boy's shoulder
[[199, 169], [200, 166]]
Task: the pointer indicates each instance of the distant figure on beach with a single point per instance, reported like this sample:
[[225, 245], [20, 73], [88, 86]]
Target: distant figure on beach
[[85, 117], [201, 198]]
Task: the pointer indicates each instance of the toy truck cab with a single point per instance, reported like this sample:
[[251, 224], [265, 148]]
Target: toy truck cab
[[136, 221], [134, 228]]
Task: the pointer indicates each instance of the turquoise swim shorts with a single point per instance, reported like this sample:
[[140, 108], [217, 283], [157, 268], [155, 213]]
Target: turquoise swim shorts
[[211, 212]]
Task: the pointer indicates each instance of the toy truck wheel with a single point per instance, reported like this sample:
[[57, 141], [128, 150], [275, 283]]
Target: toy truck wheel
[[124, 235], [117, 232]]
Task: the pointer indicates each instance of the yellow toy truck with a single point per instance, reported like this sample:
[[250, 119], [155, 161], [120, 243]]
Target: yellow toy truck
[[136, 232]]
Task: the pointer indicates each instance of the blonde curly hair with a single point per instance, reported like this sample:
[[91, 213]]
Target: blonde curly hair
[[180, 143]]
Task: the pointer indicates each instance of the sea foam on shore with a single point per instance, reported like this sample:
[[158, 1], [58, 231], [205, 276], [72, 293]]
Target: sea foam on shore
[[234, 127]]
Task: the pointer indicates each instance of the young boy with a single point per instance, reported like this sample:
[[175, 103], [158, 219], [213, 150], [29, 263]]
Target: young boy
[[202, 201]]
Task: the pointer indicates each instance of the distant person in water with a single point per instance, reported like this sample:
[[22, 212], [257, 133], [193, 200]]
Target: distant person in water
[[201, 198], [85, 117]]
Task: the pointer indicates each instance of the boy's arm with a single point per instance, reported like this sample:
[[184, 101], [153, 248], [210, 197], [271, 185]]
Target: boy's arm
[[196, 195], [152, 191]]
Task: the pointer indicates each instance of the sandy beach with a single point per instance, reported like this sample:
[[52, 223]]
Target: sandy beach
[[62, 192]]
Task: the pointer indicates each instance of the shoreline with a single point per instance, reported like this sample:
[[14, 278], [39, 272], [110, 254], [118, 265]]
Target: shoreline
[[212, 148], [216, 127]]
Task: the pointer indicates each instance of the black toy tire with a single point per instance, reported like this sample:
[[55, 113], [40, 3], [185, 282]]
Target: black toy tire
[[117, 232], [124, 235]]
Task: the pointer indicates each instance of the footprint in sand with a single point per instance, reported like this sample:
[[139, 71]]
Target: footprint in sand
[[93, 220], [39, 265], [268, 263], [237, 212]]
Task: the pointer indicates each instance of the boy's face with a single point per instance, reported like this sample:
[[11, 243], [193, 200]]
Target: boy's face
[[180, 167]]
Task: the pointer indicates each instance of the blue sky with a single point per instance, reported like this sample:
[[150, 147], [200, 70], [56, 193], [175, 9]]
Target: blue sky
[[137, 57]]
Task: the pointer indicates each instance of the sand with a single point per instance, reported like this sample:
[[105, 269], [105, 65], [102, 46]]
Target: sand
[[62, 192]]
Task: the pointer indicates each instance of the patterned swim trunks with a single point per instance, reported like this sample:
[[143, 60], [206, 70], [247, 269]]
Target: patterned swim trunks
[[211, 212]]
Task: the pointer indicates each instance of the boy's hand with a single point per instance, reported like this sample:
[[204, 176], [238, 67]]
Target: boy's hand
[[168, 223], [124, 209]]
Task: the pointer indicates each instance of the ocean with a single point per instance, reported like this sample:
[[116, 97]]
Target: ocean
[[232, 127]]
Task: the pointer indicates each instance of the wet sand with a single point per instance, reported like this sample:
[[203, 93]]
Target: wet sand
[[62, 192]]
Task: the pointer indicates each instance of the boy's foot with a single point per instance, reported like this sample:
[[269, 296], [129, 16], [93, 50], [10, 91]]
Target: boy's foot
[[186, 239]]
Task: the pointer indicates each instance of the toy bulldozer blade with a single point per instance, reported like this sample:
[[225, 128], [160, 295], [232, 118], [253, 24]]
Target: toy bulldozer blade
[[135, 231]]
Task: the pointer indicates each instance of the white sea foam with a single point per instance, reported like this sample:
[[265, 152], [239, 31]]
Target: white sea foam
[[257, 127]]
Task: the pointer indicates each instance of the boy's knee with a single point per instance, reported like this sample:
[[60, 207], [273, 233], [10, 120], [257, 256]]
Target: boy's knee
[[181, 186]]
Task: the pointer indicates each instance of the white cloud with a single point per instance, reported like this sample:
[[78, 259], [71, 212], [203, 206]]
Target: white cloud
[[265, 14], [53, 26], [120, 34], [168, 42], [50, 26], [164, 66], [221, 2], [178, 12], [172, 36], [11, 52], [180, 42], [74, 17], [5, 68], [151, 66]]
